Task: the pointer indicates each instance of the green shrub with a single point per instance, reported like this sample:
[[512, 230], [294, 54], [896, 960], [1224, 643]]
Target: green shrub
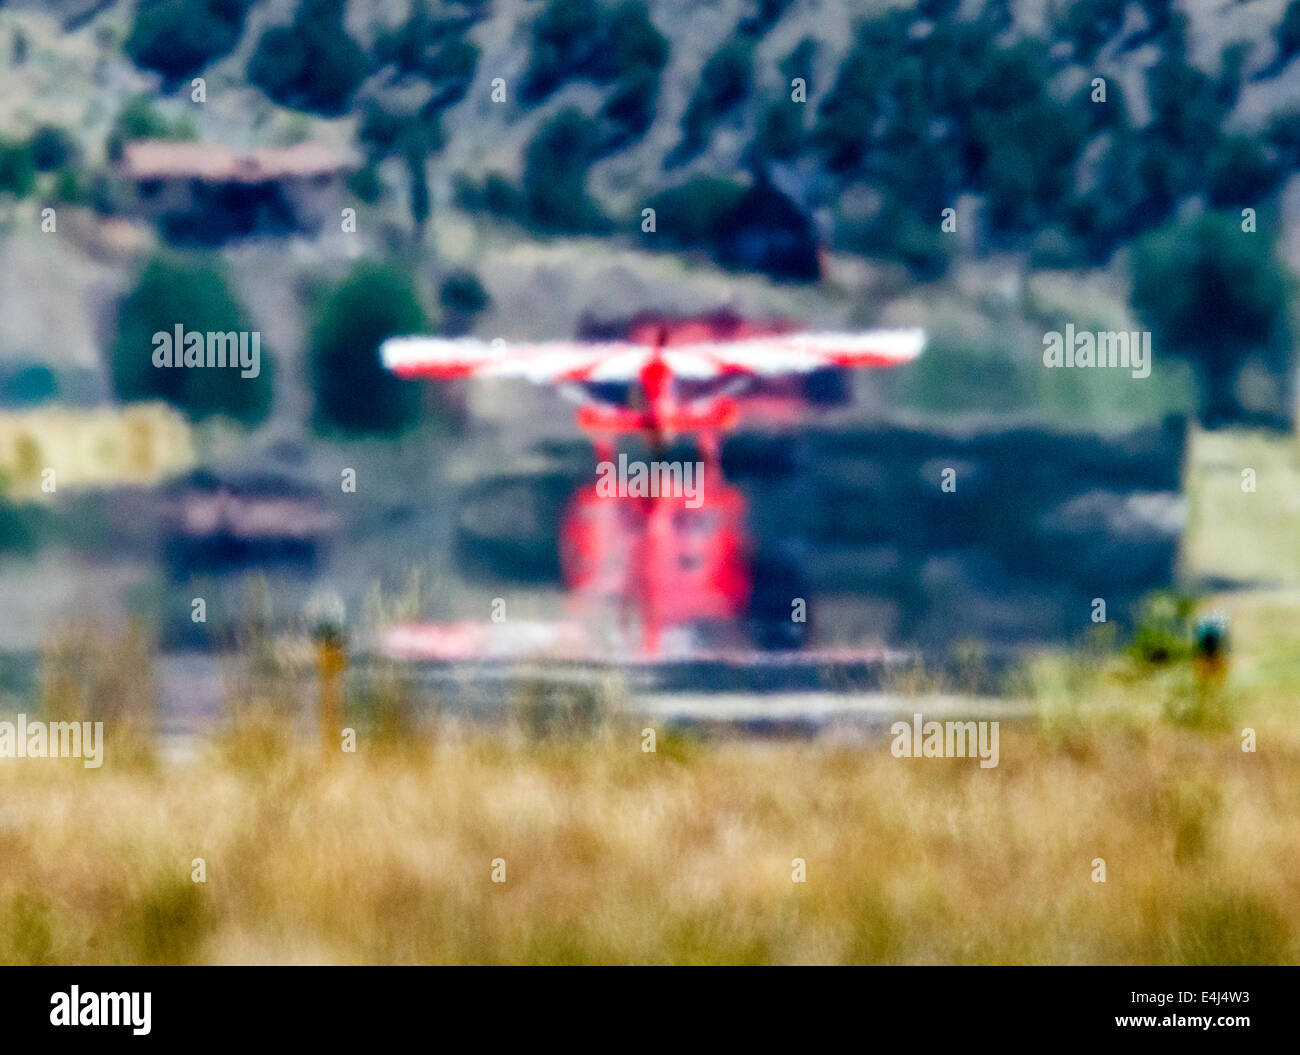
[[767, 13], [354, 393], [631, 42], [1282, 135], [555, 174], [20, 47], [583, 39], [52, 148], [1241, 172], [899, 234], [565, 43], [30, 386], [461, 291], [435, 48], [630, 109], [724, 83], [1163, 631], [366, 184], [500, 196], [70, 186], [1090, 24], [196, 295], [692, 215], [495, 195], [462, 297], [17, 534], [380, 130], [17, 169]]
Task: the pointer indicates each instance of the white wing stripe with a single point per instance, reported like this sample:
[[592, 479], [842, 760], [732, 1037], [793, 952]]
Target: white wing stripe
[[544, 362]]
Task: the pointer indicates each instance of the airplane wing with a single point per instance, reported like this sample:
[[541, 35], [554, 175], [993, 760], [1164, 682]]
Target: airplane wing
[[557, 362], [541, 362], [800, 353]]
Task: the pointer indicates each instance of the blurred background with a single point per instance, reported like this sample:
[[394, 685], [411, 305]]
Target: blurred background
[[332, 173], [329, 174]]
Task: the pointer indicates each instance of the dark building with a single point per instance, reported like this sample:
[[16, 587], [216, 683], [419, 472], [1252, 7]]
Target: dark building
[[222, 523], [767, 232], [203, 193]]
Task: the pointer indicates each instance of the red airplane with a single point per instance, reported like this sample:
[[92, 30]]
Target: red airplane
[[670, 557]]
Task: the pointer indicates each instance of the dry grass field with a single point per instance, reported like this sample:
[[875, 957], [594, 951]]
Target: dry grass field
[[686, 854], [680, 856]]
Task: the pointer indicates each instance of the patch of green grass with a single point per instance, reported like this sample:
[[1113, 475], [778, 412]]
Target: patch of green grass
[[1243, 507]]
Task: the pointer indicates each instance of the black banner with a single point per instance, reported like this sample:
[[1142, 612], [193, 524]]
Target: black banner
[[88, 1006]]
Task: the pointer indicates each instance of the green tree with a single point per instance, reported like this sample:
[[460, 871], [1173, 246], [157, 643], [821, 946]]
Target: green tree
[[724, 83], [436, 48], [584, 39], [629, 42], [692, 215], [629, 111], [1241, 172], [312, 64], [178, 38], [354, 393], [172, 291], [1089, 25], [555, 174], [1216, 296]]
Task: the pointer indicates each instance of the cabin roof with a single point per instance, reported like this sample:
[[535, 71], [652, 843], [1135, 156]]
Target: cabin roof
[[158, 159]]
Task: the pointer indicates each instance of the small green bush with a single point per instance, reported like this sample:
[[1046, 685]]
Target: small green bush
[[52, 148], [17, 168], [692, 215], [354, 393]]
